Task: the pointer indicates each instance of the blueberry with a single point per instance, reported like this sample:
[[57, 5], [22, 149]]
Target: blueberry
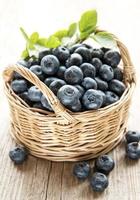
[[132, 136], [88, 70], [118, 74], [19, 86], [97, 53], [33, 61], [73, 75], [36, 69], [45, 103], [101, 85], [81, 90], [50, 64], [24, 97], [111, 97], [49, 80], [44, 53], [133, 150], [104, 164], [38, 105], [34, 94], [104, 97], [106, 72], [117, 86], [81, 170], [62, 53], [97, 63], [105, 49], [74, 47], [68, 95], [87, 46], [92, 99], [99, 182], [18, 155], [89, 83], [24, 63], [76, 107], [84, 52], [56, 85], [112, 58], [75, 59], [61, 71]]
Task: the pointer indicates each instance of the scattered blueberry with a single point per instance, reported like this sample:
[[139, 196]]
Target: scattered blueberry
[[19, 86], [34, 94], [99, 182], [97, 63], [56, 85], [24, 96], [88, 70], [111, 97], [84, 52], [106, 72], [24, 63], [62, 53], [49, 80], [132, 136], [61, 71], [81, 170], [101, 85], [118, 74], [117, 86], [74, 47], [73, 75], [18, 155], [89, 83], [133, 150], [45, 103], [36, 69], [112, 58], [75, 59], [97, 53]]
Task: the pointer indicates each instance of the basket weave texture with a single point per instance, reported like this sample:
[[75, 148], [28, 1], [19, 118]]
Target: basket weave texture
[[63, 135]]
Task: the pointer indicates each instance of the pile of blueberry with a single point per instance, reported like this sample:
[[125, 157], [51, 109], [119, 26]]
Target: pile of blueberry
[[83, 78]]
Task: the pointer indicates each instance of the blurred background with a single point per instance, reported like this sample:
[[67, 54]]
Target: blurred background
[[47, 16]]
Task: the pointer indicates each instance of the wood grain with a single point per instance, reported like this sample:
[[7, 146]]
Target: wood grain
[[38, 179]]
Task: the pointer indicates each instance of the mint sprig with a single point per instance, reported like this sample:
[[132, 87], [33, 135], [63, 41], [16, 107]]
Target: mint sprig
[[76, 32]]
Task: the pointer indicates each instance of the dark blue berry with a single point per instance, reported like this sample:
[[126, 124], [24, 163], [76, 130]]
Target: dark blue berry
[[133, 150], [101, 85], [74, 47], [104, 164], [18, 155], [106, 72], [62, 53], [132, 136], [24, 97], [37, 70], [99, 182], [81, 170], [49, 80], [68, 95], [76, 107], [75, 59], [56, 85], [118, 74], [81, 90], [19, 86], [97, 53], [92, 99], [44, 53], [38, 105], [61, 71], [88, 70], [97, 63], [45, 103], [73, 75], [111, 97], [34, 94], [104, 97], [89, 83], [24, 63], [50, 64], [85, 53], [33, 61], [105, 49], [112, 58], [117, 86]]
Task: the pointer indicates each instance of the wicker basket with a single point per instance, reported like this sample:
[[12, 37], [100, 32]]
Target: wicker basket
[[63, 135]]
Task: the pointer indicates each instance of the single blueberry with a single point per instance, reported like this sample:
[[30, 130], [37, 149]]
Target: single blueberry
[[34, 94], [68, 95], [33, 61], [92, 99], [50, 64], [74, 59], [106, 72], [49, 80], [112, 58], [111, 97], [19, 86], [24, 63], [104, 164], [105, 49], [45, 103], [88, 70], [101, 85], [18, 155], [73, 75], [62, 53], [104, 97], [38, 105], [61, 71], [133, 150], [76, 107], [118, 74], [99, 182], [43, 53], [24, 97], [85, 53], [37, 70], [132, 136], [74, 47], [97, 53], [81, 170], [81, 90], [56, 85], [97, 63], [89, 83], [117, 86]]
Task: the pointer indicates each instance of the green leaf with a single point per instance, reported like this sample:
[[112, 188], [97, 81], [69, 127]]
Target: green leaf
[[30, 46], [61, 33], [53, 42], [25, 54], [34, 37], [105, 39], [42, 41], [88, 21], [24, 34], [72, 29]]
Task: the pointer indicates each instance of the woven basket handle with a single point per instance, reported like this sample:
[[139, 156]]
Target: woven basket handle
[[52, 99]]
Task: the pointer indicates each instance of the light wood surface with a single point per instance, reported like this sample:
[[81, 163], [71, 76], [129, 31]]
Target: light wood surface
[[39, 179]]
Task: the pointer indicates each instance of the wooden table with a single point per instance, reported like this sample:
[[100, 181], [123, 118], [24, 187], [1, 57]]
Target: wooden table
[[39, 179]]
